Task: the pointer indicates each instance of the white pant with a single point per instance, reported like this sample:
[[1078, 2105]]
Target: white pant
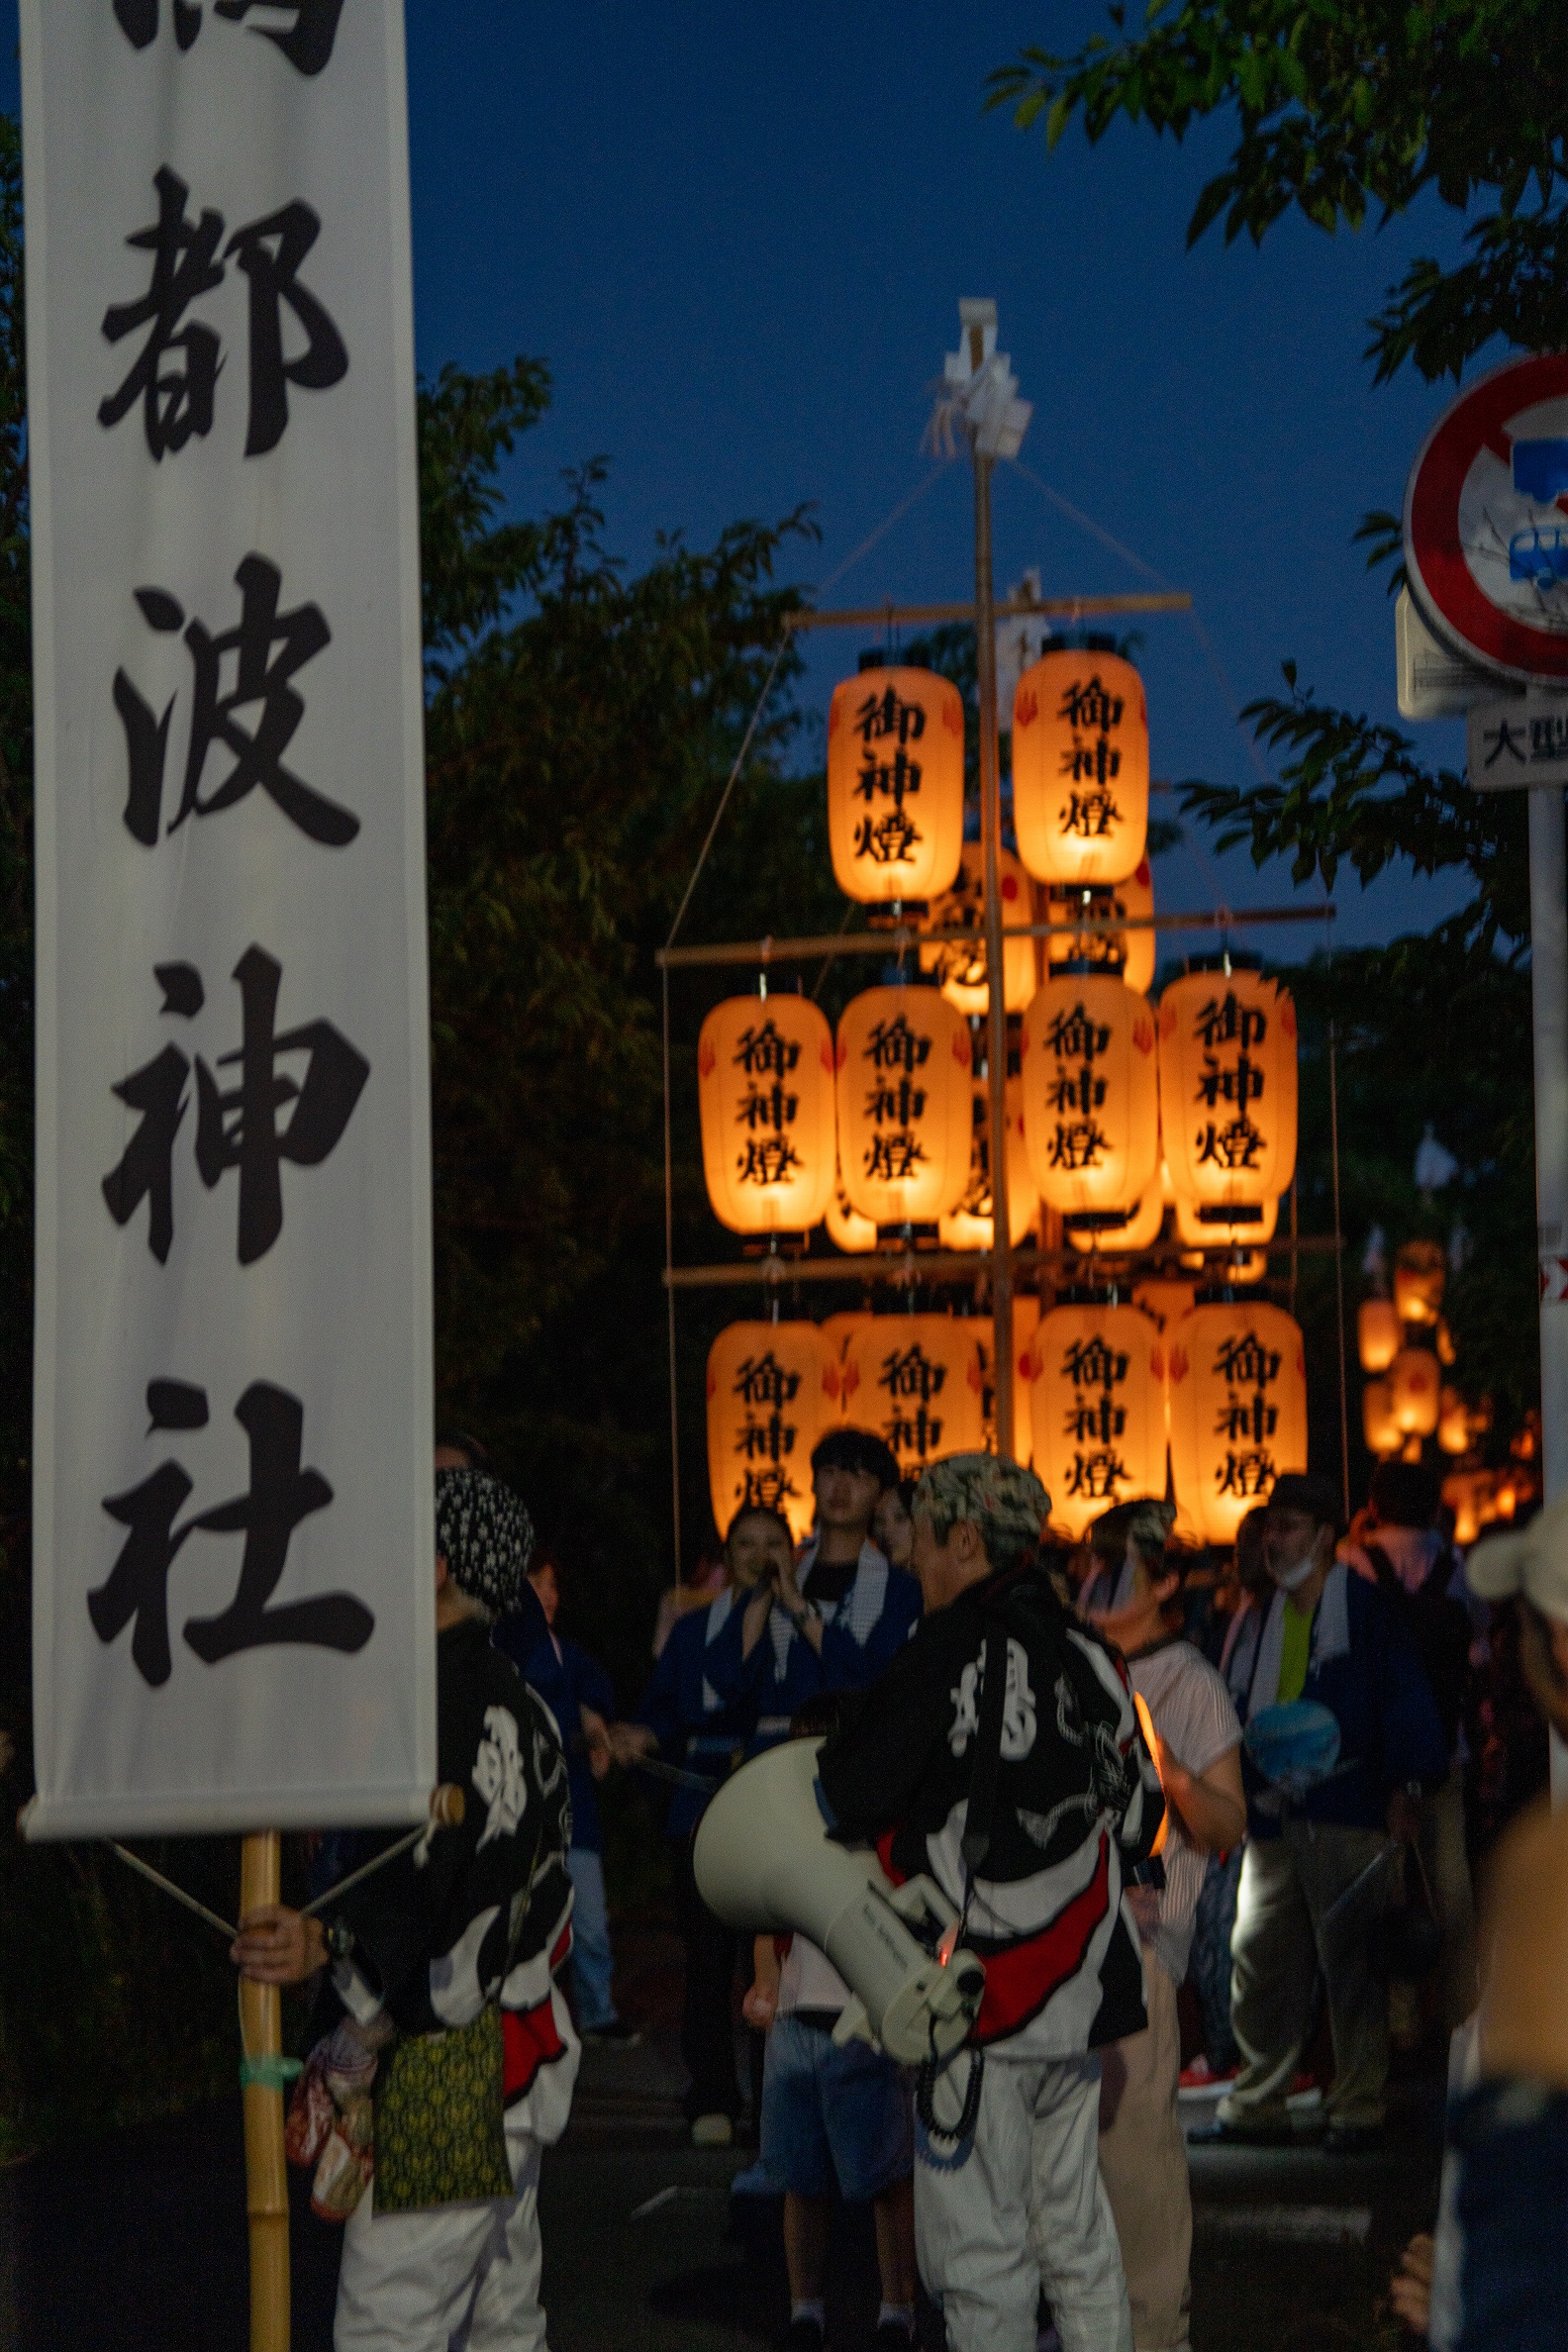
[[1026, 2210], [460, 2278]]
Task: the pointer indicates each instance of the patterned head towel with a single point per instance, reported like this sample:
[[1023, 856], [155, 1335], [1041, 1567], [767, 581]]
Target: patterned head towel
[[484, 1535], [1007, 1502]]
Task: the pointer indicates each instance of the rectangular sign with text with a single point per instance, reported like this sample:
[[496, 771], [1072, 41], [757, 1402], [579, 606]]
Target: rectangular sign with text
[[234, 1524], [1517, 743]]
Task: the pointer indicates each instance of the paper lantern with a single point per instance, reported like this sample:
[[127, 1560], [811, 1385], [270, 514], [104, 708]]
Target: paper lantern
[[895, 784], [904, 1105], [1383, 1434], [1166, 1301], [1098, 1410], [1238, 1410], [919, 1381], [836, 1329], [1130, 954], [1080, 768], [768, 1403], [1222, 1231], [848, 1229], [1026, 1332], [1378, 1335], [1416, 1386], [1420, 1270], [971, 1226], [1227, 1092], [1091, 1096], [959, 965], [765, 1095], [1453, 1423], [1141, 1231], [1447, 1354]]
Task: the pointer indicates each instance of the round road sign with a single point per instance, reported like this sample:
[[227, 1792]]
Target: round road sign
[[1486, 521]]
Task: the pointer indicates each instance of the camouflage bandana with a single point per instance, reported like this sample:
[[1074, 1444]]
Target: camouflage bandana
[[1007, 1502], [484, 1535]]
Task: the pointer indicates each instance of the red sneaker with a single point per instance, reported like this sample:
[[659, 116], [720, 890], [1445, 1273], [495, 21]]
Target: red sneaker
[[1201, 2076]]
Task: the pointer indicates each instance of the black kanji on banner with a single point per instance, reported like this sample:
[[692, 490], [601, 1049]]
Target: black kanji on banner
[[176, 375], [280, 1495], [307, 42]]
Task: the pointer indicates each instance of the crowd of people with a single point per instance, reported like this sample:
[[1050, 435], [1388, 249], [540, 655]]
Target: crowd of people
[[1198, 1817]]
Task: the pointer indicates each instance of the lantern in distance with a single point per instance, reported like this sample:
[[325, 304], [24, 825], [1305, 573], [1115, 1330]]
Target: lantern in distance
[[1383, 1434], [768, 1403], [1237, 1376], [917, 1380], [1227, 1091], [1098, 1410], [1416, 1386], [971, 1226], [1080, 768], [1460, 1494], [1091, 1096], [1447, 1354], [959, 966], [1453, 1423], [765, 1098], [1130, 954], [895, 784], [904, 1105], [848, 1229], [1420, 1272], [1378, 1335]]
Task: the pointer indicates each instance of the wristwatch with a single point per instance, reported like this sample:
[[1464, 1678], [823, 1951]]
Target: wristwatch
[[338, 1937]]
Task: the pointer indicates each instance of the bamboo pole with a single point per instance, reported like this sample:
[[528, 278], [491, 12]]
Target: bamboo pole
[[996, 1017], [267, 2179]]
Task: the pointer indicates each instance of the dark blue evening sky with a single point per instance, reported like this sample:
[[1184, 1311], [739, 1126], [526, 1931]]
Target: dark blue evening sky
[[739, 239]]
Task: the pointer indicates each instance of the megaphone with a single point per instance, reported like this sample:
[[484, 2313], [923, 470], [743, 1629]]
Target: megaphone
[[764, 1863]]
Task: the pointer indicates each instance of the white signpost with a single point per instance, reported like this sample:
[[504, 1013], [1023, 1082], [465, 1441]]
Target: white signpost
[[1486, 551], [233, 1534]]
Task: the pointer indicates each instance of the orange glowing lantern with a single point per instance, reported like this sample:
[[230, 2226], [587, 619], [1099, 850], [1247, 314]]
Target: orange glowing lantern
[[765, 1095], [895, 784], [1383, 1434], [1238, 1410], [1130, 954], [971, 1226], [1222, 1233], [1419, 1271], [1378, 1335], [1166, 1301], [904, 1098], [959, 965], [1026, 1331], [1468, 1494], [768, 1403], [1091, 1096], [836, 1329], [848, 1229], [1453, 1423], [1098, 1410], [1080, 767], [1139, 1231], [1228, 1094], [1415, 1381], [918, 1381]]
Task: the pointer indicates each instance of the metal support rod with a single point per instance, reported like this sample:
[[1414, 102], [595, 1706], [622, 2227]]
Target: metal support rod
[[968, 1265], [996, 992], [1549, 1004], [166, 1886], [1339, 1322], [1058, 607], [899, 937]]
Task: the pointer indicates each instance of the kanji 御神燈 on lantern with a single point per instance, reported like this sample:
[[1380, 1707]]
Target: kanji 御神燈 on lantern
[[970, 1225], [904, 1105], [765, 1095], [768, 1403], [1080, 767], [1227, 1093], [918, 1381], [1091, 1096], [959, 966], [1097, 1417], [1130, 954], [1378, 1335], [1238, 1410], [895, 784]]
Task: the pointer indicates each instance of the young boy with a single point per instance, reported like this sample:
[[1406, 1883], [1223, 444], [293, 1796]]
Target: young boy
[[831, 2114]]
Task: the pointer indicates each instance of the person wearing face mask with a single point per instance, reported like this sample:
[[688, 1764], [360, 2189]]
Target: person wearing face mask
[[1333, 1649]]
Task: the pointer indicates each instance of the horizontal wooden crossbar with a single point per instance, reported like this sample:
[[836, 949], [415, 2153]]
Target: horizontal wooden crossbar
[[1054, 608], [899, 937], [908, 1266]]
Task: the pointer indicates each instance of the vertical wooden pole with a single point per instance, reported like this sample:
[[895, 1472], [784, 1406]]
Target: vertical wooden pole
[[996, 1018], [267, 2179]]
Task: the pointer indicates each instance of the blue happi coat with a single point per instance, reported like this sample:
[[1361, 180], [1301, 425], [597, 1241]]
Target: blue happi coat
[[695, 1703], [861, 1635]]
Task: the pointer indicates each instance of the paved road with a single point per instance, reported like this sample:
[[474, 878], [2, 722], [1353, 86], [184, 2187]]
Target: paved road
[[138, 2244]]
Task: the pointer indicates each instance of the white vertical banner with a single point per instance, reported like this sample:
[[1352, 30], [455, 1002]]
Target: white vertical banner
[[233, 1523]]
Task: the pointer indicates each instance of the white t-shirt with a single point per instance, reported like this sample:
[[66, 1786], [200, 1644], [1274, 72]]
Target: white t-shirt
[[1196, 1718], [807, 1980]]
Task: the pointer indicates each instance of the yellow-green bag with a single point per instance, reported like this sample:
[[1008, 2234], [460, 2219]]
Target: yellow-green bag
[[440, 2119]]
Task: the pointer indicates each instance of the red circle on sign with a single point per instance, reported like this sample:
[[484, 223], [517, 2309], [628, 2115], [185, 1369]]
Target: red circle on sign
[[1440, 573]]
